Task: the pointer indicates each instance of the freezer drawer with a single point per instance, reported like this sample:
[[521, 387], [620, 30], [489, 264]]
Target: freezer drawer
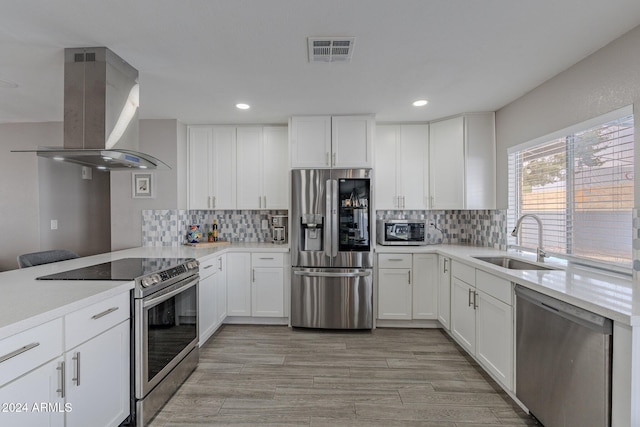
[[332, 298]]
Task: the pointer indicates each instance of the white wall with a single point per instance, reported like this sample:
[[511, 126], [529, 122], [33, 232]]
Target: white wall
[[19, 197], [604, 81], [159, 138], [34, 190], [80, 206]]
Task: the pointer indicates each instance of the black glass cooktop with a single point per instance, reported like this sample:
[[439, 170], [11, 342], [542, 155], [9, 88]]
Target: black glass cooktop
[[121, 269]]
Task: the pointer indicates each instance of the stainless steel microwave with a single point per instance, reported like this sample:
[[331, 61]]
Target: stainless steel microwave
[[401, 232]]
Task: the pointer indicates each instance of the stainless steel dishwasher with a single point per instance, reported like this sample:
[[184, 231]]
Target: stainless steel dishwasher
[[563, 361]]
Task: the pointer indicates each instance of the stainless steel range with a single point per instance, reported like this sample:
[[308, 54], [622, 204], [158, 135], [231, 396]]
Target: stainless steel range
[[164, 345]]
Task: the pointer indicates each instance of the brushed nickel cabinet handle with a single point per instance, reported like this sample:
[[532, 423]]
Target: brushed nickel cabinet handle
[[76, 358], [409, 277], [104, 313], [470, 302], [445, 265], [19, 351], [61, 388]]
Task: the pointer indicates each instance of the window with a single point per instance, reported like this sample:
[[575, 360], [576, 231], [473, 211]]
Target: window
[[580, 184]]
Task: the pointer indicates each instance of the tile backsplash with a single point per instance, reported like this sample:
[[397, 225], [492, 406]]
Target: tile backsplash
[[169, 227], [475, 227]]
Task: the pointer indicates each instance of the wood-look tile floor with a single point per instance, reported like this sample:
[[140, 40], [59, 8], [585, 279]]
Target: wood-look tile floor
[[278, 376]]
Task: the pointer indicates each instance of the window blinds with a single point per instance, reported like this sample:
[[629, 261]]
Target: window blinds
[[581, 187]]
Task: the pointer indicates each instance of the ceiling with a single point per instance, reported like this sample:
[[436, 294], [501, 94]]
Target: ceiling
[[198, 58]]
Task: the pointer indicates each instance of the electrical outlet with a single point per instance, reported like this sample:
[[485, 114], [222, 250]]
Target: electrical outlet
[[265, 224], [54, 224], [87, 172]]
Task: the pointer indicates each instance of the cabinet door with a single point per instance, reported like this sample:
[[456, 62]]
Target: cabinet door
[[394, 293], [267, 292], [238, 284], [221, 282], [311, 142], [249, 169], [275, 166], [413, 166], [425, 286], [35, 388], [223, 167], [463, 315], [207, 307], [494, 344], [199, 147], [386, 166], [447, 163], [98, 371], [352, 141], [444, 292]]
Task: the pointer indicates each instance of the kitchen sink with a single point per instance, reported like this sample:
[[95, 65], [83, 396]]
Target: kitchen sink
[[512, 263]]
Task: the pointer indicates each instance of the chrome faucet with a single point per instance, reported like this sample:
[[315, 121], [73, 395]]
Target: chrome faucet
[[539, 251]]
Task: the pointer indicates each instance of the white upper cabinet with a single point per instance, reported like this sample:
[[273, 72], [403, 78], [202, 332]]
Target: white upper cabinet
[[311, 142], [262, 168], [401, 165], [352, 141], [326, 141], [275, 170], [212, 167], [238, 167], [462, 159]]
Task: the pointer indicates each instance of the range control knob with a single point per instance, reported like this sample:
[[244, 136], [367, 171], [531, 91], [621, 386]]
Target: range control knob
[[150, 280]]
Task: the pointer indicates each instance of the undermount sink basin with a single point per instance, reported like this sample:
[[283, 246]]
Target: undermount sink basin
[[512, 263]]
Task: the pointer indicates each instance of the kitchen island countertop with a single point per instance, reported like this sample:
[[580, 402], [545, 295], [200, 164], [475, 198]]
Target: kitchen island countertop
[[26, 302]]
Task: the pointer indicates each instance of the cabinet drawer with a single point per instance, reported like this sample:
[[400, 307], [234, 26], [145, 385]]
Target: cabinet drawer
[[23, 352], [267, 259], [91, 321], [495, 286], [394, 260], [463, 272], [209, 266]]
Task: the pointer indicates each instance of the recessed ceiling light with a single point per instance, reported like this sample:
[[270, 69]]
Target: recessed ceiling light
[[243, 106], [101, 167], [420, 103]]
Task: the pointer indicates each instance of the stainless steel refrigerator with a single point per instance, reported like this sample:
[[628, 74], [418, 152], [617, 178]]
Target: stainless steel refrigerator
[[331, 253]]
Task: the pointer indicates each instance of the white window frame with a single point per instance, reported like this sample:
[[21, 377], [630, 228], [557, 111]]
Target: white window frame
[[511, 215]]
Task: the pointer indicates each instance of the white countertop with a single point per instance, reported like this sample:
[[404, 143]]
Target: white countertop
[[611, 295], [26, 302]]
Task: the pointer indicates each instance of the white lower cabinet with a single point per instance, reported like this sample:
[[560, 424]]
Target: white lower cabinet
[[444, 292], [267, 286], [212, 298], [23, 399], [494, 346], [407, 286], [482, 320], [97, 379], [239, 284], [463, 314], [71, 371]]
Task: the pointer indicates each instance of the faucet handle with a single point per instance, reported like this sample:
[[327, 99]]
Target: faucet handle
[[541, 254]]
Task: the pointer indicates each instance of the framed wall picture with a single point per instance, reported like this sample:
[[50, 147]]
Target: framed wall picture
[[143, 185]]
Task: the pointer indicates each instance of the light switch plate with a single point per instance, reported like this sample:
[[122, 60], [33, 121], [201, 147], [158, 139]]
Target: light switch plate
[[54, 224]]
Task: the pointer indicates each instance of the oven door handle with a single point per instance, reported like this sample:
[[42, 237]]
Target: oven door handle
[[157, 300]]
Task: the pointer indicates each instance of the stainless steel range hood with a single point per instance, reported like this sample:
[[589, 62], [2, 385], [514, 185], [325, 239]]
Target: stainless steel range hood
[[101, 95]]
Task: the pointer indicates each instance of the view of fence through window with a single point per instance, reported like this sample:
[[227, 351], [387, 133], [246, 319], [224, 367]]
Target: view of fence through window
[[581, 187]]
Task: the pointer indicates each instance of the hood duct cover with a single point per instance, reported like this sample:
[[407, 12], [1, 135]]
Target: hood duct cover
[[101, 95]]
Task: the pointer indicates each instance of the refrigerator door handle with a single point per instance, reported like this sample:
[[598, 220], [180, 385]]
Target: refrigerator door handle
[[326, 274], [334, 218], [328, 219]]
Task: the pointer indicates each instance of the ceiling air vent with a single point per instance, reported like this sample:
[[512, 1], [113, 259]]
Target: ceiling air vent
[[330, 49]]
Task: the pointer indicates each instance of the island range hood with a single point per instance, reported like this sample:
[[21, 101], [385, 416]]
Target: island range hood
[[101, 94]]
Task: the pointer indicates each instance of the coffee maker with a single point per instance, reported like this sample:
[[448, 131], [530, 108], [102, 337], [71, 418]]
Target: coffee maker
[[279, 228]]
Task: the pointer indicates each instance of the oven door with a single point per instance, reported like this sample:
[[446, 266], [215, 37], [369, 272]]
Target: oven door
[[166, 330]]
